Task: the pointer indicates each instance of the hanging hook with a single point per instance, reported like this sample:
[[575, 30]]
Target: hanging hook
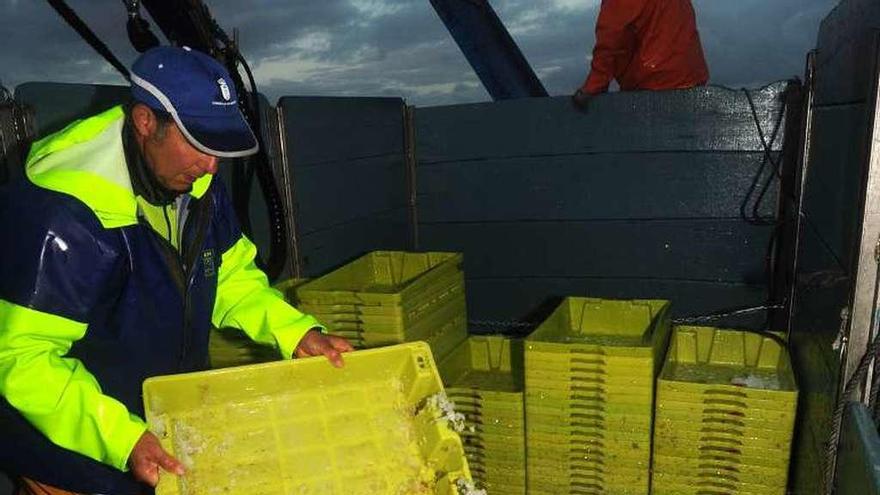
[[138, 28]]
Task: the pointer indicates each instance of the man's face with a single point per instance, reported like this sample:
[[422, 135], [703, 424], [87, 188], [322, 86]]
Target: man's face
[[174, 161]]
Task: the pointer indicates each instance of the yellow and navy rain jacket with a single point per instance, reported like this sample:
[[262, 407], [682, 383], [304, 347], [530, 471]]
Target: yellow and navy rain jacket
[[93, 301]]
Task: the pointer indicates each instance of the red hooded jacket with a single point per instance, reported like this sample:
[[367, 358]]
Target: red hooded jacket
[[647, 44]]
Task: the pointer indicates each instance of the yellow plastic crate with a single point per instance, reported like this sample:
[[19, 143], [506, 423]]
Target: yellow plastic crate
[[386, 278], [597, 481], [500, 403], [414, 308], [485, 367], [490, 420], [580, 453], [495, 451], [761, 444], [541, 438], [745, 418], [302, 426], [634, 376], [447, 338], [501, 456], [483, 376], [416, 330], [726, 405], [667, 484], [610, 403], [442, 339], [720, 468], [636, 328], [566, 423]]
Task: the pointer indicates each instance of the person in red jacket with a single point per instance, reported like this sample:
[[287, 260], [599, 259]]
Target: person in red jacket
[[645, 44]]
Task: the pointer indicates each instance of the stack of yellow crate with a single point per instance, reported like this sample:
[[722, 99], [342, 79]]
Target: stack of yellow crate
[[390, 297], [589, 388], [483, 378], [726, 403]]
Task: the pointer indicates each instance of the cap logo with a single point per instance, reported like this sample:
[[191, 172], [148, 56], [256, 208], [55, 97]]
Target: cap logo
[[224, 89]]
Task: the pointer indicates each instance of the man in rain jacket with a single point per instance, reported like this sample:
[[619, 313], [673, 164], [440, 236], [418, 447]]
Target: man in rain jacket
[[119, 254], [645, 44]]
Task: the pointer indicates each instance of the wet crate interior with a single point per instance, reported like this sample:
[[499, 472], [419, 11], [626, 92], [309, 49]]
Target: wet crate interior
[[726, 404], [303, 426], [483, 377], [589, 387]]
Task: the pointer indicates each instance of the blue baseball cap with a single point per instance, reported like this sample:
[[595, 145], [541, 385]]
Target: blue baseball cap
[[199, 94]]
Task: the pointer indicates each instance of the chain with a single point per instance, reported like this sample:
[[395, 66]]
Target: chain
[[502, 323], [677, 321], [718, 316]]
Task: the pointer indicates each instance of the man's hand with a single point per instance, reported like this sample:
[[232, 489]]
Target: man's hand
[[148, 456], [581, 99], [315, 343]]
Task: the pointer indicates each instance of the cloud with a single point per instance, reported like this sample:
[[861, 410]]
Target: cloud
[[748, 43], [41, 47], [373, 9], [401, 48]]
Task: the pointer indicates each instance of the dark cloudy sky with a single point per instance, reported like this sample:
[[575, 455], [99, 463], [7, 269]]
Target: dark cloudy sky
[[400, 47]]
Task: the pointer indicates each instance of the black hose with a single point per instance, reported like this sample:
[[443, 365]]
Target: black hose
[[6, 102], [245, 171], [87, 34], [767, 148], [754, 217], [241, 187], [266, 178], [708, 318]]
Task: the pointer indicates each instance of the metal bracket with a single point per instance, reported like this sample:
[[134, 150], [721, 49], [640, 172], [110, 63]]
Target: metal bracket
[[839, 343], [877, 249], [17, 130], [288, 197]]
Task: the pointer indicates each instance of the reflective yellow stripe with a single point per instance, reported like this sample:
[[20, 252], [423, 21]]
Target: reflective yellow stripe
[[247, 302], [57, 394]]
